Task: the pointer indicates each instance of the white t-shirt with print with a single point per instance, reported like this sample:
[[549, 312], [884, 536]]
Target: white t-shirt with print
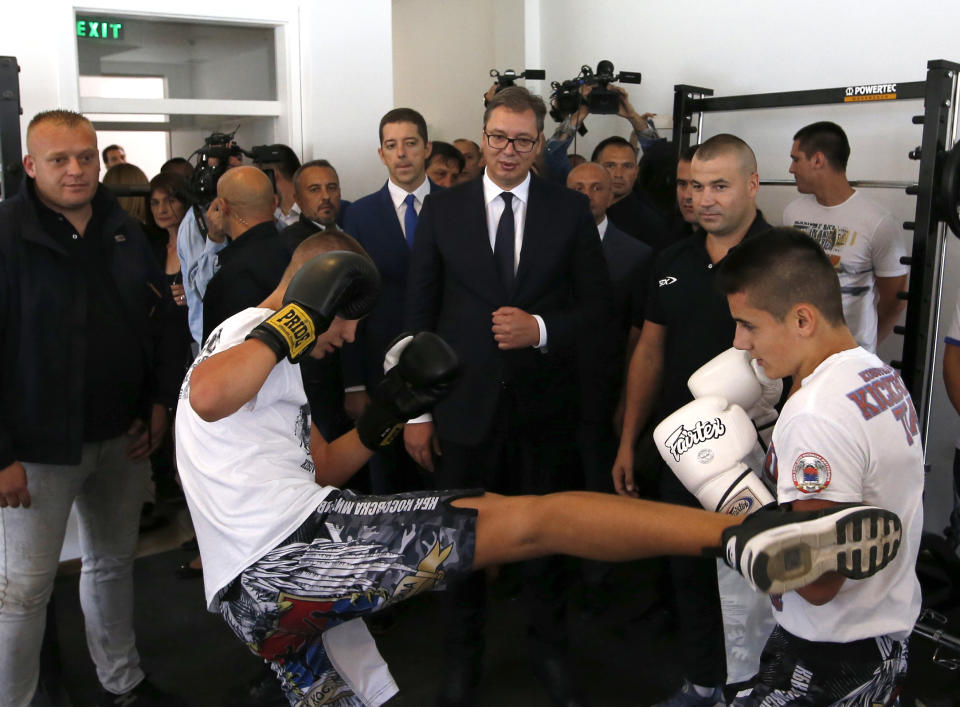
[[850, 433], [248, 478], [863, 242]]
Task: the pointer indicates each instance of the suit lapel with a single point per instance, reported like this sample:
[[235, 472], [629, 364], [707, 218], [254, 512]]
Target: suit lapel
[[474, 242], [389, 216]]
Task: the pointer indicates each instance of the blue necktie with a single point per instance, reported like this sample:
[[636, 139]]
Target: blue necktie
[[409, 219], [504, 244]]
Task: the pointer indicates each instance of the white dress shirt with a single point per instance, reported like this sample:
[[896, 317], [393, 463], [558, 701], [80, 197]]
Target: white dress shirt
[[495, 205], [398, 194]]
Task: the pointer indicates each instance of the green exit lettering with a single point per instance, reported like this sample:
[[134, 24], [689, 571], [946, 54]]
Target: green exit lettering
[[99, 29]]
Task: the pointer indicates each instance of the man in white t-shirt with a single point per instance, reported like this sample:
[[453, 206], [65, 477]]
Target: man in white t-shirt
[[860, 237], [847, 433]]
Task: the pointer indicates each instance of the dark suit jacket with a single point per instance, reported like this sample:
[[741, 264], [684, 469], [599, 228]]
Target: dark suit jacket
[[628, 261], [294, 234], [454, 289], [373, 221]]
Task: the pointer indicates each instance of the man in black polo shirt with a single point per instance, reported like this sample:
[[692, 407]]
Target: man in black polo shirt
[[254, 260], [687, 323], [85, 382]]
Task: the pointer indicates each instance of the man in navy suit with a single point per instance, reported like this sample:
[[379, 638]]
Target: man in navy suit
[[508, 269], [384, 223]]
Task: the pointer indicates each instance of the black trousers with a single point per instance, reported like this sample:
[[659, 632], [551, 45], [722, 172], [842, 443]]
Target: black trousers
[[514, 457]]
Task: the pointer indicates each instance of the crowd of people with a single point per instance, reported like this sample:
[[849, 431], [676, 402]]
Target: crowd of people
[[572, 302]]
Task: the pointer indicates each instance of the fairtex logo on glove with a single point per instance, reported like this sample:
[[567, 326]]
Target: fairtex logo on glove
[[295, 326], [682, 440]]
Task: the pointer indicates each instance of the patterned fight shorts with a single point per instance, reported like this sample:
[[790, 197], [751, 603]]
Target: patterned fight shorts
[[794, 671], [354, 556]]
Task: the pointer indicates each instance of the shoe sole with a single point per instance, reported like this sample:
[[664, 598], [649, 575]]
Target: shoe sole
[[857, 543]]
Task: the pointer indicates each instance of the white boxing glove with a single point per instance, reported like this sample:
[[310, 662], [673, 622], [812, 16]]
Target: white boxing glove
[[738, 378], [703, 443]]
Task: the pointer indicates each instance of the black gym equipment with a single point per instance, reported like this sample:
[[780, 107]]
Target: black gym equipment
[[10, 111]]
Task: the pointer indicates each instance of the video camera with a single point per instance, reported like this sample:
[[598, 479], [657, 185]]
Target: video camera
[[509, 77], [566, 97], [220, 147]]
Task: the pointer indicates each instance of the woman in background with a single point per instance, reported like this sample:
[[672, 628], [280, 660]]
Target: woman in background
[[125, 174]]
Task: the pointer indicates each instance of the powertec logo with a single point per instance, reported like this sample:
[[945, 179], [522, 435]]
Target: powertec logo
[[873, 92]]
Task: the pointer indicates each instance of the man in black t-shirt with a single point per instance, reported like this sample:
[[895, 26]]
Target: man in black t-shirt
[[687, 323]]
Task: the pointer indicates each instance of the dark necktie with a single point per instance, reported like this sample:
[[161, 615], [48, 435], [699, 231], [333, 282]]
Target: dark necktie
[[409, 219], [504, 244]]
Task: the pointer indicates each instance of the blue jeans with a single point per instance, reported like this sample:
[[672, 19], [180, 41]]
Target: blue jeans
[[108, 490]]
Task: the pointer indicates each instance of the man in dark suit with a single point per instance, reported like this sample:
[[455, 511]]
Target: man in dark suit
[[316, 188], [384, 223], [628, 260], [508, 269]]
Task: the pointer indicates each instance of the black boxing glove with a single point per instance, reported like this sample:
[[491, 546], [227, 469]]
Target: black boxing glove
[[335, 283], [425, 371]]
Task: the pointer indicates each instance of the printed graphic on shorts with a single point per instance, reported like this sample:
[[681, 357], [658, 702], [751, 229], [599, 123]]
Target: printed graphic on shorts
[[811, 473], [310, 679]]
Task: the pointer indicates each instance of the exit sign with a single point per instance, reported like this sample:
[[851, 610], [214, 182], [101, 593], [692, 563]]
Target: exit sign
[[93, 28]]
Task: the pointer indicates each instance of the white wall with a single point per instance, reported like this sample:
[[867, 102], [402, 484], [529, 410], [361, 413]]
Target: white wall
[[347, 85], [442, 56]]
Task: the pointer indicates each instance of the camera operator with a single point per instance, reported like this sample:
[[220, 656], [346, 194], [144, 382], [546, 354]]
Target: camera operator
[[556, 148], [201, 235]]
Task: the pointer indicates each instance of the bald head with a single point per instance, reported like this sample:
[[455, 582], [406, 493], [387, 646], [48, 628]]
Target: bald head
[[594, 181], [247, 199]]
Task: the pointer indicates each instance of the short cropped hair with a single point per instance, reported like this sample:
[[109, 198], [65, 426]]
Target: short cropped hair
[[686, 154], [828, 138], [320, 242], [66, 118], [780, 268], [446, 151], [288, 164], [109, 148], [614, 140], [727, 144], [405, 115], [517, 99], [309, 165]]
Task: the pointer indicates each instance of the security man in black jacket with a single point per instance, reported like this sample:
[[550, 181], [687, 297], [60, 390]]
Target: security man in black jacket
[[85, 382]]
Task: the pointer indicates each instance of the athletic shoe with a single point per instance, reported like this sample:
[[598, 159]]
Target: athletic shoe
[[687, 696], [778, 551], [145, 694]]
